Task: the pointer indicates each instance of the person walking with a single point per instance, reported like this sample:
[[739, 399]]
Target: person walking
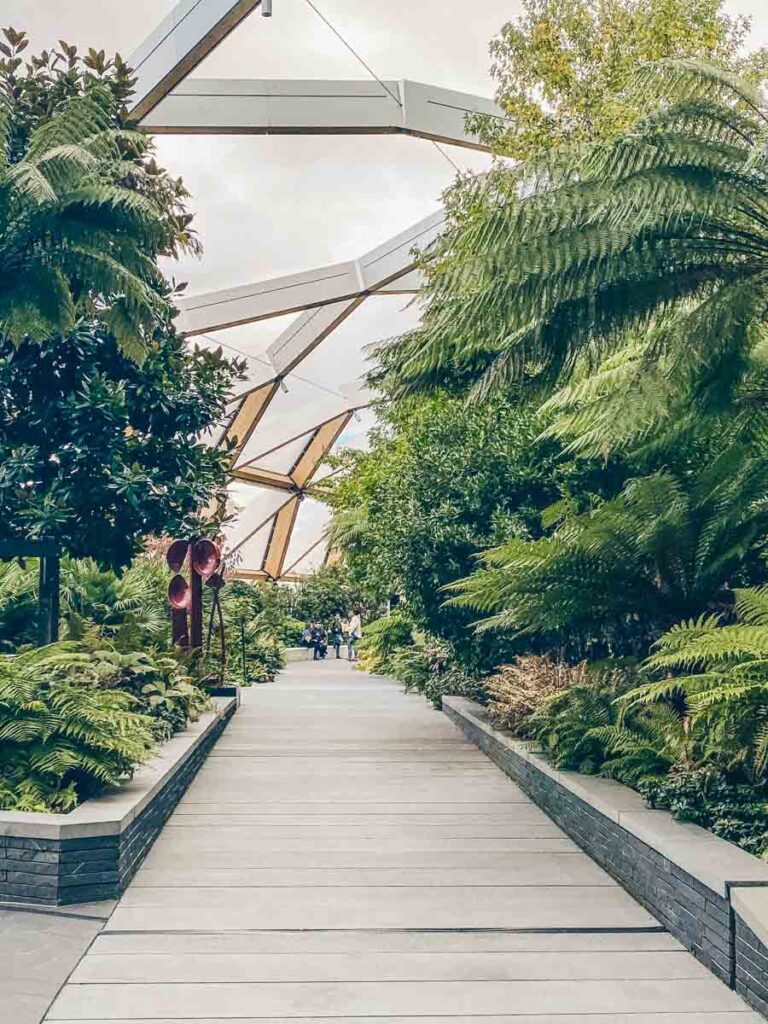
[[355, 634], [337, 635]]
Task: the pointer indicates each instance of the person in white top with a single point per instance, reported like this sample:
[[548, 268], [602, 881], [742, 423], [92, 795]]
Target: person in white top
[[355, 633]]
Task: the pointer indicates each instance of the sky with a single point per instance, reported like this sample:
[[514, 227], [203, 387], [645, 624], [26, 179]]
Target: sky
[[266, 206]]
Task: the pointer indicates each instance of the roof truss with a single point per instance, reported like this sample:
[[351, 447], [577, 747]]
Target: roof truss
[[167, 102], [179, 43], [388, 269], [202, 106]]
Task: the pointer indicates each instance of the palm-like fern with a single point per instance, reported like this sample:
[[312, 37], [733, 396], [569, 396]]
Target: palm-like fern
[[61, 740], [347, 530], [668, 227], [129, 609], [71, 233], [382, 640], [720, 672], [661, 550]]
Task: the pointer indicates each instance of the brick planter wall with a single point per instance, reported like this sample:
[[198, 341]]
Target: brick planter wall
[[93, 852], [709, 894]]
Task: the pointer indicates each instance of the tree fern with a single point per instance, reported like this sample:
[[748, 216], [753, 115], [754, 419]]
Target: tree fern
[[717, 677], [591, 245], [60, 739], [72, 234], [661, 550]]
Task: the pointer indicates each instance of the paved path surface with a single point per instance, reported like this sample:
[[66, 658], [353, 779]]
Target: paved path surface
[[39, 947], [345, 853]]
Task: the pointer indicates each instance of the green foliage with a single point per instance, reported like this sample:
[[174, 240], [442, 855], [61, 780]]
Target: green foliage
[[562, 66], [258, 625], [18, 605], [63, 739], [160, 684], [129, 610], [704, 796], [98, 452], [441, 480], [101, 404], [717, 675], [611, 579], [324, 594], [569, 724], [422, 663], [576, 252], [381, 640], [74, 234], [264, 659]]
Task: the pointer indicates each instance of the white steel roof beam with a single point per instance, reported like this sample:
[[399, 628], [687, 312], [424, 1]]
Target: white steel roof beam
[[387, 269], [179, 43], [294, 107]]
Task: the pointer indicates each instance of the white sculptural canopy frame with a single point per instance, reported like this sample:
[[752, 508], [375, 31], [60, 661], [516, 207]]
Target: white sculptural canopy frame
[[168, 102]]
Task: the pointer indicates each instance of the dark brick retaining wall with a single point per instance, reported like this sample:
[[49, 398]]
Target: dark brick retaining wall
[[699, 917], [81, 870], [751, 975]]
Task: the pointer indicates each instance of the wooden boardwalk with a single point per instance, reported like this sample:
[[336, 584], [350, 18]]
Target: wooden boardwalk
[[346, 854]]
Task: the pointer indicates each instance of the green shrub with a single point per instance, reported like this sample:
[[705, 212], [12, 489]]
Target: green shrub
[[382, 639], [265, 659], [429, 667], [568, 723], [703, 795], [716, 676], [62, 739], [454, 682], [160, 684]]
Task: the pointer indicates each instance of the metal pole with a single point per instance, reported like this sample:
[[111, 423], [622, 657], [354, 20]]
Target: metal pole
[[48, 598], [242, 651], [196, 611], [266, 8]]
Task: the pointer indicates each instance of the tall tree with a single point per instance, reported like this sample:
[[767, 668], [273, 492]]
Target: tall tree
[[440, 481], [75, 235], [661, 235], [562, 66], [101, 404]]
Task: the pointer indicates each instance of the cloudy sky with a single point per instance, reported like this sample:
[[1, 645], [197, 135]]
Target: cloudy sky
[[267, 206]]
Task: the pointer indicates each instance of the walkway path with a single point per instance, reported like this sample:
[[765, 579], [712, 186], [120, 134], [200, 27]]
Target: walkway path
[[346, 854]]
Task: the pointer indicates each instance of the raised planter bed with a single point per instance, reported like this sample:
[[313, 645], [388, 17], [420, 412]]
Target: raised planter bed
[[292, 654], [709, 894], [93, 852]]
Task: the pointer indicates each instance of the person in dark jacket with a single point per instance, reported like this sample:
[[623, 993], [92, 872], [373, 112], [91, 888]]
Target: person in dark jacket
[[337, 635]]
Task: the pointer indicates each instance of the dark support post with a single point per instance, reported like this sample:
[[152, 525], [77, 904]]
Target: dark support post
[[49, 598], [179, 627], [196, 610]]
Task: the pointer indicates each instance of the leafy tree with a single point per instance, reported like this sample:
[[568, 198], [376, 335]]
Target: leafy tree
[[74, 234], [441, 480], [562, 66], [98, 452], [324, 594], [101, 407]]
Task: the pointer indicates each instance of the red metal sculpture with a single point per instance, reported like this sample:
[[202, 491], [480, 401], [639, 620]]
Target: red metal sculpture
[[186, 598]]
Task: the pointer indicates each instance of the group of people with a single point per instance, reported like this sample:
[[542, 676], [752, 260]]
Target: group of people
[[321, 639]]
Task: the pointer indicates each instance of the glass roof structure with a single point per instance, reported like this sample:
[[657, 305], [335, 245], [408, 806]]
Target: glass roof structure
[[304, 335]]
